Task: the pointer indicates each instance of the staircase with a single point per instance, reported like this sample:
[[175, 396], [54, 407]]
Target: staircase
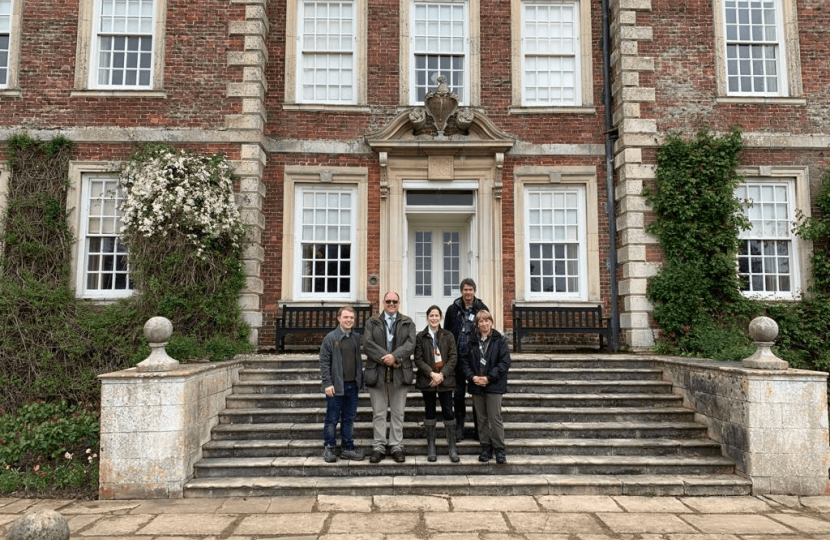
[[574, 424]]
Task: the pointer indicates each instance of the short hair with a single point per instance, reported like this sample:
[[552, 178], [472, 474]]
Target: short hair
[[392, 292], [467, 281], [346, 308], [430, 308], [483, 314]]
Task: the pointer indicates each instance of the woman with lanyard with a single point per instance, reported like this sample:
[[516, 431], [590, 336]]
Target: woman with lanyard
[[485, 369], [435, 358]]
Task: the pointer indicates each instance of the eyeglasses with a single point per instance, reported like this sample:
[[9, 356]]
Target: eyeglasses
[[391, 301]]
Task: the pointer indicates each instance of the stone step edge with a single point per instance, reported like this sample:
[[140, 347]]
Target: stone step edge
[[507, 397], [316, 462], [689, 484], [507, 426], [504, 410], [441, 441]]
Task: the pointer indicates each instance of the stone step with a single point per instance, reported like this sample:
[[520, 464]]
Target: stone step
[[553, 430], [535, 386], [484, 484], [509, 414], [271, 401], [469, 465], [619, 447], [516, 374]]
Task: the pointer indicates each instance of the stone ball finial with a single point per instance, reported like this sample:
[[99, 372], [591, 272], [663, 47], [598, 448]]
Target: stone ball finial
[[158, 330], [40, 525], [763, 331]]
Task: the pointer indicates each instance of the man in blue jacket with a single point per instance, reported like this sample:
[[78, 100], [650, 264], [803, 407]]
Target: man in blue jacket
[[342, 376]]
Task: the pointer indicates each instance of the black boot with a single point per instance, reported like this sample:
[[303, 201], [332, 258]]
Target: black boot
[[486, 453], [429, 426], [449, 427], [459, 427]]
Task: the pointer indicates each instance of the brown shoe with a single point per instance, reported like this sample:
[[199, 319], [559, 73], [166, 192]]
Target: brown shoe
[[398, 456]]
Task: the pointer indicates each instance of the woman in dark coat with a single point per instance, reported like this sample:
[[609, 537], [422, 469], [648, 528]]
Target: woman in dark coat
[[485, 368], [435, 359]]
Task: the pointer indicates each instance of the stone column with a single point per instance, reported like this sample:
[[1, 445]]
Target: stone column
[[251, 91]]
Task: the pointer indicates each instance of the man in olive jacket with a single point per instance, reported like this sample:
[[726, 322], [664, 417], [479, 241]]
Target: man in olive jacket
[[341, 374], [389, 344]]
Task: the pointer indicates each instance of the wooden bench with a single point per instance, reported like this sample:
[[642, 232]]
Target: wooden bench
[[314, 320], [559, 320]]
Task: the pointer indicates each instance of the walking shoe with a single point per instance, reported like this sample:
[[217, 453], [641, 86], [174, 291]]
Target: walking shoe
[[329, 456], [376, 457], [500, 456], [398, 456], [486, 454], [354, 455]]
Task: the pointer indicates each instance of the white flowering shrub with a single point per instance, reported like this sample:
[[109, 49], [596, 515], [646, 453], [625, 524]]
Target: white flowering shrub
[[184, 235], [180, 191]]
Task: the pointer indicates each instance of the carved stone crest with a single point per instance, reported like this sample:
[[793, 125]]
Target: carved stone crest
[[441, 104]]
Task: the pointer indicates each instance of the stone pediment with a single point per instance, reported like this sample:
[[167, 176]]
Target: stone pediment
[[440, 126]]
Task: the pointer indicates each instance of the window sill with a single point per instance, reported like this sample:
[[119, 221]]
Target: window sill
[[556, 303], [763, 100], [323, 107], [552, 110], [139, 94], [10, 92]]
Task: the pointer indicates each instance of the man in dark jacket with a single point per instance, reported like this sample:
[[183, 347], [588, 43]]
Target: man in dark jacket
[[342, 376], [460, 320], [389, 344]]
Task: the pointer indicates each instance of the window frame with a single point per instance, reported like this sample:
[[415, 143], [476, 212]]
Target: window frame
[[584, 179], [797, 179], [577, 88], [293, 62], [301, 52], [789, 79], [472, 67], [12, 85], [83, 235], [86, 66], [584, 97], [464, 95], [300, 178]]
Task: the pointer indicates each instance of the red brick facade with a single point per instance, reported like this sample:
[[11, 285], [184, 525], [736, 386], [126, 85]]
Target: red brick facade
[[222, 86]]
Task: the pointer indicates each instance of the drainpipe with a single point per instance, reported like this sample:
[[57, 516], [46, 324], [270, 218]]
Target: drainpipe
[[611, 136]]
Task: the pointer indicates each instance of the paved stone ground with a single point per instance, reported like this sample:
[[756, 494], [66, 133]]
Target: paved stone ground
[[440, 518]]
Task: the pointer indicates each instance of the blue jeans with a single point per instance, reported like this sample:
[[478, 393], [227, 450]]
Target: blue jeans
[[341, 409]]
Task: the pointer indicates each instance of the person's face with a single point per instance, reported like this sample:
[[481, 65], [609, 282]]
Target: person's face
[[391, 303], [434, 319], [485, 326], [346, 320], [468, 293]]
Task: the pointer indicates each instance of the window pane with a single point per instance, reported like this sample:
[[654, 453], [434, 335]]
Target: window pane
[[107, 262], [327, 42], [752, 33], [325, 246]]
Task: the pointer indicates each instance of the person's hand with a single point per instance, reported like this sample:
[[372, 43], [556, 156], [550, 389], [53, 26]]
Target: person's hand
[[437, 379], [480, 381], [330, 391], [388, 359]]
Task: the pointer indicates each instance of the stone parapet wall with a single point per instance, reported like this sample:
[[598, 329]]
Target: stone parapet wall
[[153, 426], [774, 424]]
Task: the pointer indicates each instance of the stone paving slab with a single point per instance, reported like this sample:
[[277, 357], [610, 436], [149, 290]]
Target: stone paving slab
[[190, 524], [820, 504], [554, 523], [645, 523], [98, 507], [117, 526], [466, 522], [726, 505], [803, 523], [281, 524], [344, 503], [389, 523], [670, 505], [473, 503], [579, 503], [412, 503], [736, 524]]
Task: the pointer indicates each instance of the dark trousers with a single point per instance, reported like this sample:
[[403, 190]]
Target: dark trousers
[[446, 405], [341, 409]]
